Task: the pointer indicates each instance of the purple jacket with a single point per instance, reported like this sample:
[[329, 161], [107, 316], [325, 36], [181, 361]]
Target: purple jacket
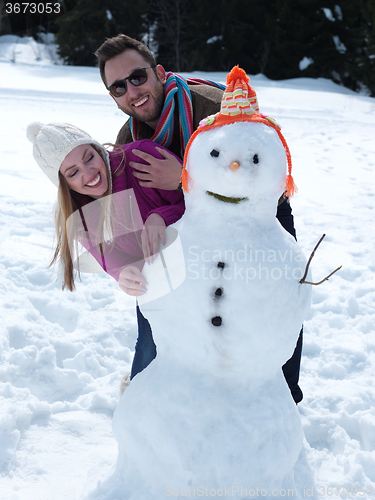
[[169, 204], [127, 214]]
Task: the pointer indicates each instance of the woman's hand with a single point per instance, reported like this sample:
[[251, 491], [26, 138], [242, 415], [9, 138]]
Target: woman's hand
[[153, 230], [132, 282]]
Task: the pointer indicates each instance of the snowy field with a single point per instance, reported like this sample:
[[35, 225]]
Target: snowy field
[[63, 354]]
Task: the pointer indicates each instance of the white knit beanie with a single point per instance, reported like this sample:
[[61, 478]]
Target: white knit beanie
[[52, 142]]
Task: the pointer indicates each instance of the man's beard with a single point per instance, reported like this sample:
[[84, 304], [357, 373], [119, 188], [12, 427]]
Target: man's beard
[[153, 115]]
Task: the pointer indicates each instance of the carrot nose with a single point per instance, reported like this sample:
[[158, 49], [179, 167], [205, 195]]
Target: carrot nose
[[234, 166]]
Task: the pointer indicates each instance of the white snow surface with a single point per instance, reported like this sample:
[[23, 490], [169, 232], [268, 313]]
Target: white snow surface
[[63, 354]]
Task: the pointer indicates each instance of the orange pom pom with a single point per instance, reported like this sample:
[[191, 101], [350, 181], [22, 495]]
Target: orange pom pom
[[290, 187], [237, 73]]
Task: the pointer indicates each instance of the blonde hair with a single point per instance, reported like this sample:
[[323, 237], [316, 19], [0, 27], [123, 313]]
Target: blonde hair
[[68, 202]]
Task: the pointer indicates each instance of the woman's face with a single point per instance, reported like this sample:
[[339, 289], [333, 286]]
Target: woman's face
[[85, 171]]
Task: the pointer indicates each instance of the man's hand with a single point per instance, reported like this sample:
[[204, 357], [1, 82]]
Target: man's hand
[[153, 230], [159, 174], [132, 282]]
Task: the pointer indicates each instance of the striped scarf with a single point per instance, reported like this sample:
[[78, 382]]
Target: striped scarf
[[176, 89]]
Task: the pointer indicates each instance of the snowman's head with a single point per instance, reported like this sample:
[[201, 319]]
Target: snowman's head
[[240, 163], [238, 156]]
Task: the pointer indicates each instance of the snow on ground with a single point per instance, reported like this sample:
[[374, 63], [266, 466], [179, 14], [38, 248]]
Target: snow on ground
[[27, 50], [63, 354]]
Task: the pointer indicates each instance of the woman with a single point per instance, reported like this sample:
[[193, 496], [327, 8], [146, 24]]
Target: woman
[[101, 205]]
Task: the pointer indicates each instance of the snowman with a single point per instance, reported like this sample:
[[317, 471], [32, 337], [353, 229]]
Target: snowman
[[212, 415]]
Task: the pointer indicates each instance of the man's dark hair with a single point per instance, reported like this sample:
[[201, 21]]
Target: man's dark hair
[[115, 46]]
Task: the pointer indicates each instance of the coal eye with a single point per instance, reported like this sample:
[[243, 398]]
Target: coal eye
[[255, 159], [215, 153]]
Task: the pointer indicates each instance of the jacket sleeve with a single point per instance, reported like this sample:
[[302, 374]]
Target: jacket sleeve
[[171, 203], [124, 136], [174, 210], [113, 257], [113, 250], [206, 101]]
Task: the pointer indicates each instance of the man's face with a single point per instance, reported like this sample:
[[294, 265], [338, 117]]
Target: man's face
[[145, 102]]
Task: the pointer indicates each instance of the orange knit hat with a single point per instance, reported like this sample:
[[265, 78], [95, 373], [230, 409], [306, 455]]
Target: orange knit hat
[[239, 104]]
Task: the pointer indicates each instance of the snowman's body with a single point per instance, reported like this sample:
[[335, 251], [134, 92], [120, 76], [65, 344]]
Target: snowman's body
[[213, 410]]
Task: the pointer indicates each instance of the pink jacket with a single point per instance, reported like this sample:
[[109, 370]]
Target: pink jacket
[[128, 212]]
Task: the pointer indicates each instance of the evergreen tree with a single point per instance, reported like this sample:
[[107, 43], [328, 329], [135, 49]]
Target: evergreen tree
[[248, 34], [217, 34], [279, 38], [321, 38], [346, 30], [201, 43], [207, 49], [367, 60], [298, 37], [173, 32], [85, 28], [233, 33]]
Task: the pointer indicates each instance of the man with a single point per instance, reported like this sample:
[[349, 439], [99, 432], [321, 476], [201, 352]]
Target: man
[[118, 59], [163, 108]]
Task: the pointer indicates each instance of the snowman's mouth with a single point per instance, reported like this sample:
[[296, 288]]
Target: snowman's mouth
[[226, 199]]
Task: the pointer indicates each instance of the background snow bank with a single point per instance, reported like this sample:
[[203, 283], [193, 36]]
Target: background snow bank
[[27, 50], [62, 355]]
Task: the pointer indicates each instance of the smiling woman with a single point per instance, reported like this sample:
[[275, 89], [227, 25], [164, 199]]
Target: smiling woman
[[102, 206], [85, 171]]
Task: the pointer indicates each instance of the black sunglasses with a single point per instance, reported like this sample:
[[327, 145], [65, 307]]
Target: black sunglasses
[[137, 78]]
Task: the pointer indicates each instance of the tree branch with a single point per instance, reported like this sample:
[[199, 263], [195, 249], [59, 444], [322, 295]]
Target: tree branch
[[303, 280]]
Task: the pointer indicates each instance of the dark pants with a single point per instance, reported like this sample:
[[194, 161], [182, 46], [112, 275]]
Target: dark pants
[[292, 366], [145, 349], [291, 370]]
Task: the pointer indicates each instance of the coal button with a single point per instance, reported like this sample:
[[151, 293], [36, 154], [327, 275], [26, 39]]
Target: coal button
[[216, 321]]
